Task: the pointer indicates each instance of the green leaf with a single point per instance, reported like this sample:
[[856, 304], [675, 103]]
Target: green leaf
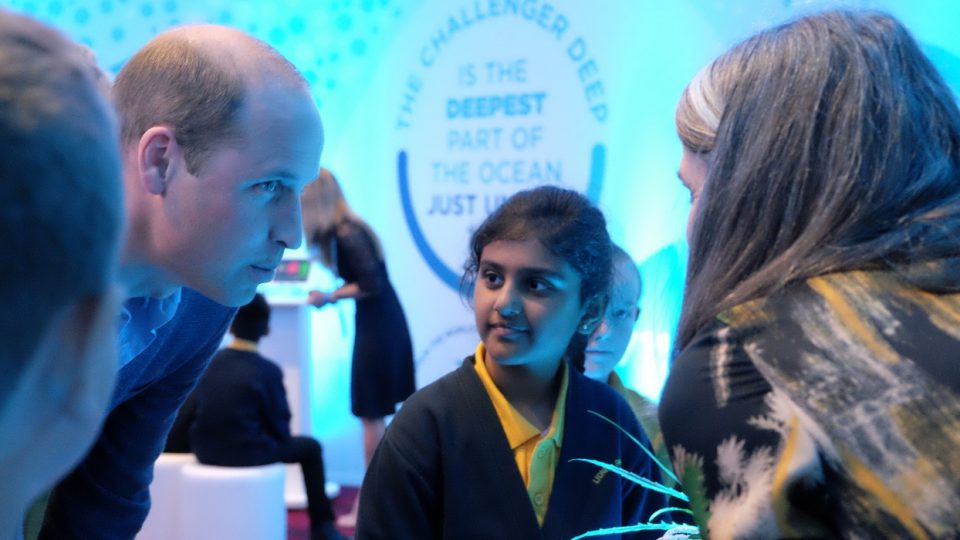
[[693, 485], [670, 509], [663, 467], [636, 478], [662, 526]]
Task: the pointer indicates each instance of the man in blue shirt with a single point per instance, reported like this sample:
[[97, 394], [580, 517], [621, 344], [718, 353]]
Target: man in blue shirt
[[219, 135]]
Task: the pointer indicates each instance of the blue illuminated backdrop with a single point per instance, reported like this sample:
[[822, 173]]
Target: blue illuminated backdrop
[[435, 110]]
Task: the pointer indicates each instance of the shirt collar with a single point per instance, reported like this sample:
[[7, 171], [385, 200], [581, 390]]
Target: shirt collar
[[517, 428], [243, 345], [615, 382], [140, 318]]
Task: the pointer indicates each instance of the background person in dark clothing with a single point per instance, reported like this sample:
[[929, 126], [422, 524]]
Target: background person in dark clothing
[[238, 416], [382, 372]]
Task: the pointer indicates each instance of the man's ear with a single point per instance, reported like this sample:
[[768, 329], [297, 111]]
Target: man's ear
[[592, 315], [159, 156]]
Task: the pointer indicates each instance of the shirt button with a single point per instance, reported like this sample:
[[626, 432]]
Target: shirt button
[[538, 499]]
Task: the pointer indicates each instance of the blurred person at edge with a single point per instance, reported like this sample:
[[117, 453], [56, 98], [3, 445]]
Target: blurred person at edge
[[61, 222]]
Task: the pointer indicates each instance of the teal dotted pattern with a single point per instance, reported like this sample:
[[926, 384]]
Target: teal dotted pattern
[[335, 43]]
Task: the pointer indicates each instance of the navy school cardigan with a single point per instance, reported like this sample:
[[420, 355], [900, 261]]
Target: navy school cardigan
[[444, 469]]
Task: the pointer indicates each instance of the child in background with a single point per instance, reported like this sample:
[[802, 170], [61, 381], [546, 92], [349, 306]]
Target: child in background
[[609, 342], [238, 416], [487, 450], [60, 221]]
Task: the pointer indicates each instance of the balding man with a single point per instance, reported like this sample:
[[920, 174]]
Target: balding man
[[219, 135]]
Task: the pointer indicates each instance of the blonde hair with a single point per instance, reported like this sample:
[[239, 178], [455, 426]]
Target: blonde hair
[[703, 101], [325, 209]]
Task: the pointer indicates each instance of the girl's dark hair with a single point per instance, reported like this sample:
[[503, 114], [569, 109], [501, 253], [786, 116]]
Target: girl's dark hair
[[838, 149], [567, 224]]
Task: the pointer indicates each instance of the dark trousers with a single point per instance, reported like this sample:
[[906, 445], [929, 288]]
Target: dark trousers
[[307, 452]]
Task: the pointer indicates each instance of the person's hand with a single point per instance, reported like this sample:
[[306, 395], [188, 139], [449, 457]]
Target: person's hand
[[318, 299]]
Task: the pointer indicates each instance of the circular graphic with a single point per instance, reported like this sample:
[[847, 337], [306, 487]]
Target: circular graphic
[[482, 118], [445, 352]]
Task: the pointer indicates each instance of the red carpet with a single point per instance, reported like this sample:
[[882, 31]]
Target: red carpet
[[298, 523]]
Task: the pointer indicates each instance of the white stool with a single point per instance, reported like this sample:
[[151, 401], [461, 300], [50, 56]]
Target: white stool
[[163, 521], [295, 493], [239, 503]]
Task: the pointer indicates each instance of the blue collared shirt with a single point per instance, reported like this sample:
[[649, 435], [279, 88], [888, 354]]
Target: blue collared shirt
[[139, 321]]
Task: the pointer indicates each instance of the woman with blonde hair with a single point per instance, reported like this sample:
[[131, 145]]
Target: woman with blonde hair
[[815, 392], [382, 373]]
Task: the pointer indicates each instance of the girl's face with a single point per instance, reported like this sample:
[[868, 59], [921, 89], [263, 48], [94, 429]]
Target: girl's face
[[693, 171], [526, 303], [611, 338]]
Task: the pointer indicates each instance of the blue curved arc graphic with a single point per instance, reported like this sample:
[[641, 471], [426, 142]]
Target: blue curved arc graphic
[[598, 162], [598, 157], [433, 261]]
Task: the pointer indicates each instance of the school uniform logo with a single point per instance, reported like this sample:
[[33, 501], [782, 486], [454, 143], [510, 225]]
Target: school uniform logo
[[597, 478]]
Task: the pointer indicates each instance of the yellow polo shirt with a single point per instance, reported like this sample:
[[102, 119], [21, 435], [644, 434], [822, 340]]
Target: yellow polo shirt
[[536, 453], [243, 345]]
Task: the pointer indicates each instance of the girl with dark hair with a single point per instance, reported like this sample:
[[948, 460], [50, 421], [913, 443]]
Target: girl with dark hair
[[485, 451], [816, 391]]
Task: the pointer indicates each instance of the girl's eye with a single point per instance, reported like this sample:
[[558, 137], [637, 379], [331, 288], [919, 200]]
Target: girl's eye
[[491, 278], [539, 286], [621, 314]]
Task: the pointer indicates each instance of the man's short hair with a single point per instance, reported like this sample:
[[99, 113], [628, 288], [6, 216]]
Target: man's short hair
[[177, 82], [252, 321], [60, 189]]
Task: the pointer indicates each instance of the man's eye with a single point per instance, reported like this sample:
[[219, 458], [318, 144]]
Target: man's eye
[[269, 187]]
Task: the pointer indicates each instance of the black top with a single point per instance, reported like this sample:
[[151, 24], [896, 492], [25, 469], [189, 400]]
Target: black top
[[382, 374], [831, 409], [238, 413]]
